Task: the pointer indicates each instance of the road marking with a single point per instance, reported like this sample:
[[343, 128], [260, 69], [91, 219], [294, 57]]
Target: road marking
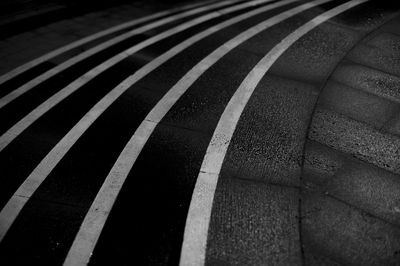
[[70, 62], [95, 219], [197, 223], [39, 174], [15, 72], [35, 114]]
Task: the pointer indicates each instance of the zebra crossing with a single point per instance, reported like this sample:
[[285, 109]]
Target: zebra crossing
[[123, 138]]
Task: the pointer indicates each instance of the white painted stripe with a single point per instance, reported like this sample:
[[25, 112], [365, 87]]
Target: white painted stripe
[[39, 174], [198, 219], [13, 73], [94, 221], [70, 62], [35, 114]]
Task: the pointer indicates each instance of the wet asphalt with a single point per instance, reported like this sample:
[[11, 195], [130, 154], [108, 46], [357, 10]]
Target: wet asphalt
[[310, 176]]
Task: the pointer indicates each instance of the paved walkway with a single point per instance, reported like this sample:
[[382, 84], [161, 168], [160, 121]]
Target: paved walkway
[[219, 133]]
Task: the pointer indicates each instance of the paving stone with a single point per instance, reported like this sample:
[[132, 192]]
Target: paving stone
[[357, 139], [384, 60], [393, 26], [374, 14], [44, 231], [365, 186], [393, 125], [20, 38], [305, 57], [253, 224], [16, 46], [320, 165], [312, 259], [347, 235], [386, 41], [357, 104], [42, 30], [268, 142], [369, 80]]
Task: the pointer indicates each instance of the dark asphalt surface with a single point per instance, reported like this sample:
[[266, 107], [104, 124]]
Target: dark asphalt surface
[[311, 176]]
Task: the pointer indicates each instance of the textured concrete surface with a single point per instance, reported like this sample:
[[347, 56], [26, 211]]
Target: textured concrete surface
[[360, 184], [356, 138], [374, 57], [357, 104], [345, 234], [369, 80], [269, 138], [254, 224], [350, 200]]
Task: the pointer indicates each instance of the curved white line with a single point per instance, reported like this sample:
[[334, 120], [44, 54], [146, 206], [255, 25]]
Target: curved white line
[[15, 72], [197, 223], [70, 62], [94, 221], [39, 174], [35, 114]]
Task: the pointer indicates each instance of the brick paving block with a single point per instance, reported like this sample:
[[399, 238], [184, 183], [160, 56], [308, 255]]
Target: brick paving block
[[383, 60], [363, 185], [54, 26], [79, 19], [320, 165], [269, 139], [3, 54], [30, 54], [369, 188], [13, 63], [393, 125], [89, 16], [59, 35], [357, 139], [3, 45], [369, 80], [393, 26], [23, 37], [253, 224], [345, 234], [16, 44], [103, 22], [59, 25], [374, 16], [17, 56], [321, 49], [89, 24], [386, 41], [42, 30], [312, 259], [357, 104]]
